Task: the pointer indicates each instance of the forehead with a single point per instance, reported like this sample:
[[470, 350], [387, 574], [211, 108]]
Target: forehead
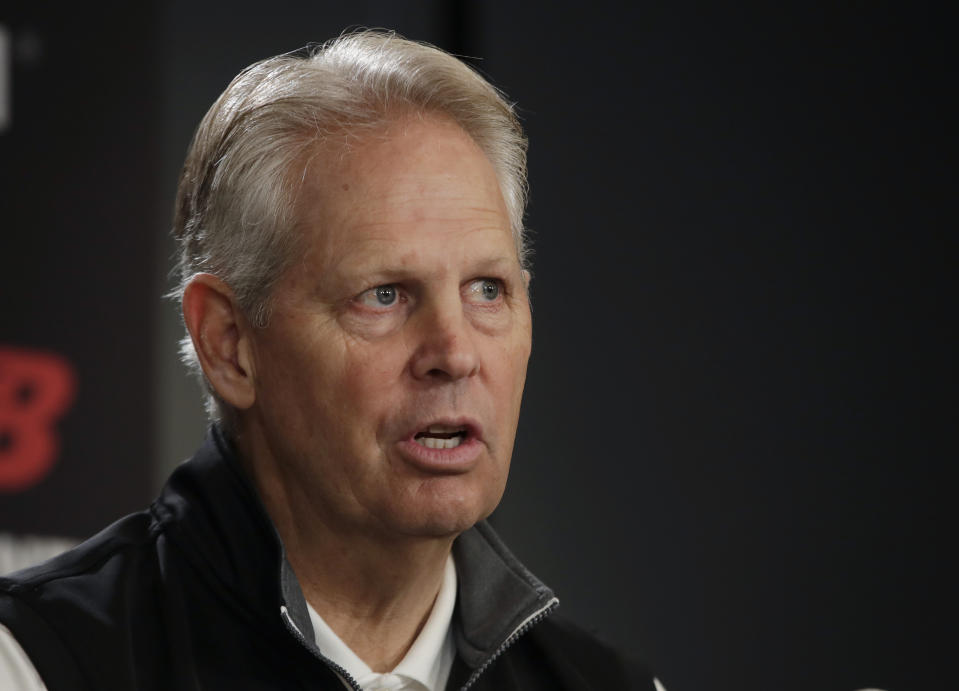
[[417, 181]]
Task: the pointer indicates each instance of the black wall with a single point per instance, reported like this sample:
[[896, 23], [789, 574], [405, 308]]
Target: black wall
[[740, 408], [78, 173]]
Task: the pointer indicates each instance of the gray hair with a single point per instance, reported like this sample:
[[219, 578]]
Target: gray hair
[[235, 206]]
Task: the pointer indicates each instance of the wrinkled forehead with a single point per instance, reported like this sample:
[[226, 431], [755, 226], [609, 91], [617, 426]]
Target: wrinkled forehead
[[416, 178], [395, 146]]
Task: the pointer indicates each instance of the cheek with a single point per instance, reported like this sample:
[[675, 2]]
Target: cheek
[[303, 369], [508, 371], [519, 350], [370, 369]]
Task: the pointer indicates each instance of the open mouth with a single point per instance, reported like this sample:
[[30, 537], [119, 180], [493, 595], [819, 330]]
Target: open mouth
[[441, 437]]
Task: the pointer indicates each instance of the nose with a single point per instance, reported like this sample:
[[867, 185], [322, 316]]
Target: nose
[[444, 349]]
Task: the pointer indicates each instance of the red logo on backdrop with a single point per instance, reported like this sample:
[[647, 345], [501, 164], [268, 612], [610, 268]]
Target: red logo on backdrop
[[36, 389]]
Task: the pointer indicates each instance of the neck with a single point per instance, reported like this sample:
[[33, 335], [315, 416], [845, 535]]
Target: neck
[[376, 603], [374, 591]]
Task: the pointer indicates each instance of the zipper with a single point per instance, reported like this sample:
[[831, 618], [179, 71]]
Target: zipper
[[524, 626], [292, 628]]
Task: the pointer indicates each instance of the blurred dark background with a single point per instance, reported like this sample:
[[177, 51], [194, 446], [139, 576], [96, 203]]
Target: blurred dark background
[[741, 403]]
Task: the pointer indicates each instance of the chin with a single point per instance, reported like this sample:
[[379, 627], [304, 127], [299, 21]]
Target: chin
[[439, 528], [445, 515]]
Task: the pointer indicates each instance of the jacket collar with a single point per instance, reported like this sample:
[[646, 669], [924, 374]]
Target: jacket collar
[[211, 510], [497, 595]]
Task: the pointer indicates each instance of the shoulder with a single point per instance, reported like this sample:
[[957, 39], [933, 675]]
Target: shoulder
[[46, 609], [584, 657], [83, 576], [121, 541]]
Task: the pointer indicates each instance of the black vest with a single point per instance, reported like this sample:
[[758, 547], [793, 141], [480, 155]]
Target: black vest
[[196, 593]]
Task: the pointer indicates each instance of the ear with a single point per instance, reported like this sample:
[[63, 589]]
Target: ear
[[527, 277], [221, 337]]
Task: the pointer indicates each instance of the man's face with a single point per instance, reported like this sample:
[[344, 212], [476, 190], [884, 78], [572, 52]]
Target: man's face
[[388, 382]]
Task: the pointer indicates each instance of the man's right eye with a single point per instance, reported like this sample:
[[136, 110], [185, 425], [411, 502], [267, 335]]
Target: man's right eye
[[380, 296]]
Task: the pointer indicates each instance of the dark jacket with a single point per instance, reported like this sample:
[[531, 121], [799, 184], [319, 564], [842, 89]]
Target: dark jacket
[[196, 593]]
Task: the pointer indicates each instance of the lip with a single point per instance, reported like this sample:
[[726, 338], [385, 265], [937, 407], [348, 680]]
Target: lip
[[443, 461]]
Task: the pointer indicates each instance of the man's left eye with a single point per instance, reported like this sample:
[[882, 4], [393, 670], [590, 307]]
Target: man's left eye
[[487, 289]]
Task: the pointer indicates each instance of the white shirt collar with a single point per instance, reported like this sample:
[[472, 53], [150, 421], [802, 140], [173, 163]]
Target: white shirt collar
[[427, 664]]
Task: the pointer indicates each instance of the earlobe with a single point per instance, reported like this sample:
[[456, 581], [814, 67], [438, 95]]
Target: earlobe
[[220, 334]]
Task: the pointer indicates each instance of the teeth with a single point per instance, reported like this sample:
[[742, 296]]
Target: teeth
[[442, 429], [437, 443]]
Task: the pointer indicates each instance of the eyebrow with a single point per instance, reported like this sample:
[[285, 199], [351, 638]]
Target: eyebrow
[[498, 263], [373, 272]]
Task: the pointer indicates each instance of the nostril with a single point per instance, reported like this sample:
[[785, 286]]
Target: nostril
[[443, 356]]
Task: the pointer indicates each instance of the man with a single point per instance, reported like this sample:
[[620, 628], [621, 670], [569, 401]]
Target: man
[[354, 287]]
